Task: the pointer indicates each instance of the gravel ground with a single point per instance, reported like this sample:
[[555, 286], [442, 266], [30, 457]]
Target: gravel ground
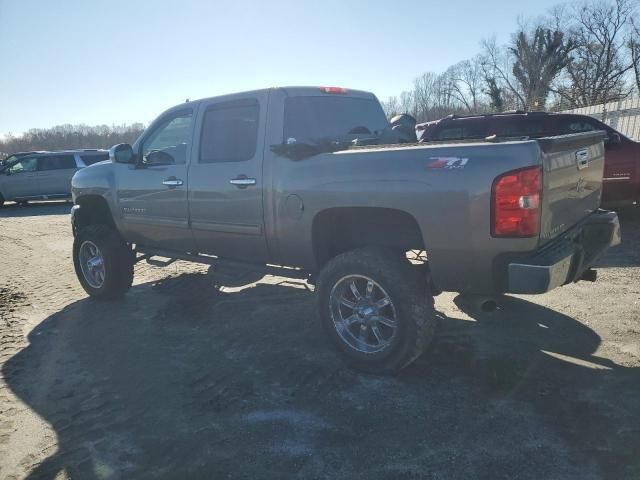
[[198, 376]]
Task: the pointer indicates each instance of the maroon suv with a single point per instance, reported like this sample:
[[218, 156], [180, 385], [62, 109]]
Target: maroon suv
[[622, 162]]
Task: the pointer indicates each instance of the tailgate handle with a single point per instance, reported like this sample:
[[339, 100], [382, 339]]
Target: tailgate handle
[[582, 159]]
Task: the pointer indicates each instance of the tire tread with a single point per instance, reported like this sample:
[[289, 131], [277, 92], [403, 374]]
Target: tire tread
[[401, 276]]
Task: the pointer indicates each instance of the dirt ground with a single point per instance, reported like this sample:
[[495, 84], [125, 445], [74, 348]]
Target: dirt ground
[[198, 376]]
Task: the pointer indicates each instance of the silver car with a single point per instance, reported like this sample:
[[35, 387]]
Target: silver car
[[43, 175]]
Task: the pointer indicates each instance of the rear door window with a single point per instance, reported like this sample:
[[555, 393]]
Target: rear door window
[[58, 162], [92, 158], [230, 132]]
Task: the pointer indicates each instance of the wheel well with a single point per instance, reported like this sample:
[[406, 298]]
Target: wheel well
[[93, 210], [338, 230]]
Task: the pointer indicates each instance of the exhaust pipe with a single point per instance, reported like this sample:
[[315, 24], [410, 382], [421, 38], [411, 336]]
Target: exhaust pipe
[[482, 303], [589, 275], [489, 305]]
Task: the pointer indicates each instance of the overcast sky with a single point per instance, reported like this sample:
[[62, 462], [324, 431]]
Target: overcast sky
[[124, 61]]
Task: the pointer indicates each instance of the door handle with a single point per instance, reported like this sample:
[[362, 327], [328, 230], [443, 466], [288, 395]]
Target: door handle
[[173, 182], [242, 182]]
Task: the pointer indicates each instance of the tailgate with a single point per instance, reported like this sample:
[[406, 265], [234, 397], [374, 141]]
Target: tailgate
[[572, 180]]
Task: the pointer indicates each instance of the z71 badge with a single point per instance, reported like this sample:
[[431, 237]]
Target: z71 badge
[[449, 163]]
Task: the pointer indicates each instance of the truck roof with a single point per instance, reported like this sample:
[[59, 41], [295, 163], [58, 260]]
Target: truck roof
[[300, 91], [290, 91], [58, 152]]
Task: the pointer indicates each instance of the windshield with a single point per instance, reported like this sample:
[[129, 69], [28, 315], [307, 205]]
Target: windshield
[[310, 119]]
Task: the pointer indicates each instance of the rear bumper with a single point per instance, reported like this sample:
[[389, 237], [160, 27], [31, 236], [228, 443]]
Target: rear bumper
[[565, 259], [621, 190]]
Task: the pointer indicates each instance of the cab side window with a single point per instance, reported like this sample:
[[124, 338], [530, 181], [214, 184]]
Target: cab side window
[[578, 126], [25, 165], [518, 127], [171, 138], [567, 125], [460, 131], [230, 132]]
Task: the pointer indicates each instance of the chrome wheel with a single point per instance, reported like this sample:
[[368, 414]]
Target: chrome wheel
[[92, 264], [363, 314]]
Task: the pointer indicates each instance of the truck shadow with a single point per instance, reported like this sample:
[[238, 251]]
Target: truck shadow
[[34, 209], [628, 253], [183, 380]]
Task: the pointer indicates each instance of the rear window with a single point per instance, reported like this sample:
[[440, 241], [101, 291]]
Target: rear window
[[94, 158], [333, 117]]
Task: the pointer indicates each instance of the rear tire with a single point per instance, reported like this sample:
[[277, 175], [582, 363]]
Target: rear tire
[[103, 262], [387, 320], [1, 200]]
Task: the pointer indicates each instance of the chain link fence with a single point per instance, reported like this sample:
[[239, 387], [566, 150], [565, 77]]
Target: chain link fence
[[622, 115]]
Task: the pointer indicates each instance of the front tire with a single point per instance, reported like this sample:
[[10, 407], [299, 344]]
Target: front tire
[[103, 262], [375, 308]]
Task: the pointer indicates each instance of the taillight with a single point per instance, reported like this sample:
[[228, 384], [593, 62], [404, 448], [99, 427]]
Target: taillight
[[333, 90], [515, 203]]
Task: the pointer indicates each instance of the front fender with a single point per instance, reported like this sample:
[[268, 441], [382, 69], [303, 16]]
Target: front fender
[[96, 181]]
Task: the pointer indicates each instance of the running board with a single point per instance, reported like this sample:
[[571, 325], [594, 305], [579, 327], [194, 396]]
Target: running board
[[148, 253]]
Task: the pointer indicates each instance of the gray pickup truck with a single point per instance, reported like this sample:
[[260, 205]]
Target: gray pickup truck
[[312, 183]]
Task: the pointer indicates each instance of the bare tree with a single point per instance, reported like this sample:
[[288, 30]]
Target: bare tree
[[391, 106], [63, 137], [495, 94], [424, 93], [539, 59], [498, 65], [598, 70], [634, 50], [408, 103], [466, 79]]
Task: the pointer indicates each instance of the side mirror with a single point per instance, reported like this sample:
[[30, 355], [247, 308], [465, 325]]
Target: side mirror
[[122, 153], [404, 126], [614, 139], [159, 157]]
